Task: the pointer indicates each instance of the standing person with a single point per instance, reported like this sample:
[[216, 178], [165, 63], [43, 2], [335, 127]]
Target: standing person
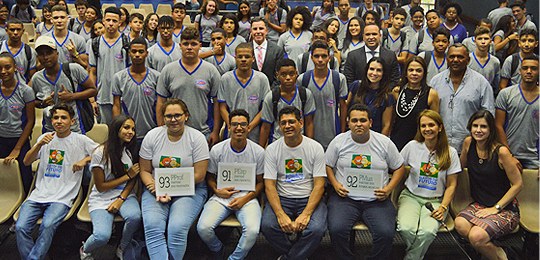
[[482, 61], [329, 89], [412, 97], [229, 23], [462, 92], [71, 47], [244, 19], [394, 39], [353, 38], [149, 31], [123, 26], [495, 181], [362, 148], [408, 8], [18, 118], [4, 12], [436, 59], [519, 10], [332, 28], [374, 91], [276, 19], [108, 55], [357, 60], [288, 93], [470, 41], [76, 24], [53, 85], [304, 61], [298, 40], [496, 14], [243, 88], [115, 166], [527, 42], [195, 80], [294, 179], [230, 200], [166, 50], [46, 24], [63, 156], [91, 15], [452, 11], [207, 21], [322, 13], [178, 14], [134, 90], [416, 15], [423, 41], [505, 37], [173, 145], [432, 178], [368, 5], [24, 55], [267, 53], [216, 54], [343, 6], [23, 11], [516, 116], [136, 22]]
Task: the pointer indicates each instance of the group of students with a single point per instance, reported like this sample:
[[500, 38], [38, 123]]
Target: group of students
[[296, 107]]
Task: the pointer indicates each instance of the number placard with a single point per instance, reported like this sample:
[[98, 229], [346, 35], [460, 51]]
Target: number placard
[[363, 182], [241, 176], [174, 181]]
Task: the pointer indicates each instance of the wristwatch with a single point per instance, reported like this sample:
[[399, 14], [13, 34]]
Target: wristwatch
[[498, 207]]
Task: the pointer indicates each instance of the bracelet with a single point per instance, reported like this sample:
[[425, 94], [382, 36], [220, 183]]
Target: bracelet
[[122, 198], [444, 207], [127, 173]]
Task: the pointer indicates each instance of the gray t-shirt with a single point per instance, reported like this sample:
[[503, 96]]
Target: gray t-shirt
[[21, 60], [397, 45], [61, 47], [230, 48], [87, 35], [268, 111], [247, 96], [342, 32], [471, 45], [495, 15], [112, 58], [227, 63], [433, 68], [506, 71], [310, 65], [138, 98], [157, 56], [244, 29], [326, 121], [295, 46], [272, 35], [42, 29], [44, 86], [416, 47], [490, 70], [13, 110], [521, 122], [3, 34], [207, 25], [196, 88]]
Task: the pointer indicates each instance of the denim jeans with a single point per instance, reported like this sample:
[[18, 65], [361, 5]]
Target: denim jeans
[[102, 222], [214, 213], [174, 218], [379, 217], [53, 213], [307, 241]]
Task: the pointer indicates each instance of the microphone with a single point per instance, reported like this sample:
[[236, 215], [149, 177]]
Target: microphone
[[429, 206]]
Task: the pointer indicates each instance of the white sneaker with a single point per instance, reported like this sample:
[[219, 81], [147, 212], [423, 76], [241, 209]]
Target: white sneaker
[[120, 253], [85, 256]]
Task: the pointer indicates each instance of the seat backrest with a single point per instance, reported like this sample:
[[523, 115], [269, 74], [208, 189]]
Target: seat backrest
[[138, 10], [98, 133], [462, 197], [164, 9], [30, 29], [528, 201], [11, 189], [129, 7]]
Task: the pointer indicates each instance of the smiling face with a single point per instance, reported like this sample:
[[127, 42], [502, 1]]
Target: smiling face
[[429, 129], [175, 118], [333, 27], [290, 126], [90, 15], [99, 29], [239, 128], [354, 28], [415, 73], [7, 69], [127, 131], [480, 130], [375, 72], [527, 43], [372, 36], [418, 19], [258, 32], [210, 7]]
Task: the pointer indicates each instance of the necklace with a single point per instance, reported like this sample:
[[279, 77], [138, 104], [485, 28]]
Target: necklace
[[407, 108]]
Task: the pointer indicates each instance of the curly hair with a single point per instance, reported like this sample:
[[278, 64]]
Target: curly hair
[[302, 10]]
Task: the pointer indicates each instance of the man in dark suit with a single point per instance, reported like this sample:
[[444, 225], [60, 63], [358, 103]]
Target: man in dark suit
[[358, 59], [267, 54]]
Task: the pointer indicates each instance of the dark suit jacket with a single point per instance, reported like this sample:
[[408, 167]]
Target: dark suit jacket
[[355, 67], [273, 54]]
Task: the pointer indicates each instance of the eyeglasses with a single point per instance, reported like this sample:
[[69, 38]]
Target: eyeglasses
[[236, 124], [175, 116], [451, 102]]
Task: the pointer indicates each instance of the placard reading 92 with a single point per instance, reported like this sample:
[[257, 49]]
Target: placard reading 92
[[363, 182], [241, 176], [174, 181]]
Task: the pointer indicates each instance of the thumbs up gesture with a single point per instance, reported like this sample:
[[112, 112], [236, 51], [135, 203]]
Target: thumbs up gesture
[[64, 95]]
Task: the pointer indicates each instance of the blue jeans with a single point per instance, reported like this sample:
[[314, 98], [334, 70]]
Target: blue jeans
[[53, 213], [102, 222], [309, 239], [379, 217], [214, 213], [175, 218]]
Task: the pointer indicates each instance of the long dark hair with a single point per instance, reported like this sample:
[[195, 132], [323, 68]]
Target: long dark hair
[[240, 15], [145, 31], [504, 25], [491, 142], [424, 88], [113, 147], [384, 85], [232, 17], [348, 36], [92, 33]]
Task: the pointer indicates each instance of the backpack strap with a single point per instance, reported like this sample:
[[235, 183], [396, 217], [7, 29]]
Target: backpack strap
[[305, 78], [333, 63], [427, 58], [125, 47], [71, 24], [95, 47], [515, 63], [67, 71], [384, 37], [275, 99], [303, 65], [303, 97], [420, 38], [403, 37], [335, 82], [28, 53]]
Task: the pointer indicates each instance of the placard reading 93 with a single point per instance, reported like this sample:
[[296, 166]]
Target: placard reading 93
[[241, 176], [363, 182], [174, 181]]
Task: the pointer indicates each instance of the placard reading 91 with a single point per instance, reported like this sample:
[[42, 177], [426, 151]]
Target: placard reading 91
[[363, 182], [174, 181], [241, 176]]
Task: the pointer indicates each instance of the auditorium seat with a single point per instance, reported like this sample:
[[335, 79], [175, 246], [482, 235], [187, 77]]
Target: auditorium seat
[[149, 8], [98, 133], [11, 189], [83, 214], [528, 202]]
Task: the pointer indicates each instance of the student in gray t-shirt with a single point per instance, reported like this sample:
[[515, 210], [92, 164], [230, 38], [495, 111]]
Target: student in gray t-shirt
[[134, 89], [207, 20], [528, 41], [71, 47], [196, 82], [244, 88], [423, 40], [165, 50], [287, 94], [436, 59], [276, 18], [24, 55], [321, 82], [216, 54], [482, 62]]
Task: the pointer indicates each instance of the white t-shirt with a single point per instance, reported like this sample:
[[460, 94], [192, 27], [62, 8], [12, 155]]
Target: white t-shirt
[[378, 153], [425, 179], [56, 181], [294, 167], [163, 153], [102, 200], [224, 153]]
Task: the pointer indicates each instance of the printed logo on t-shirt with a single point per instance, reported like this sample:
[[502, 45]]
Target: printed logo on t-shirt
[[253, 99], [330, 102], [170, 162], [21, 69], [429, 174], [55, 165], [16, 107], [148, 91], [535, 115], [201, 84], [362, 161], [293, 170], [119, 57]]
